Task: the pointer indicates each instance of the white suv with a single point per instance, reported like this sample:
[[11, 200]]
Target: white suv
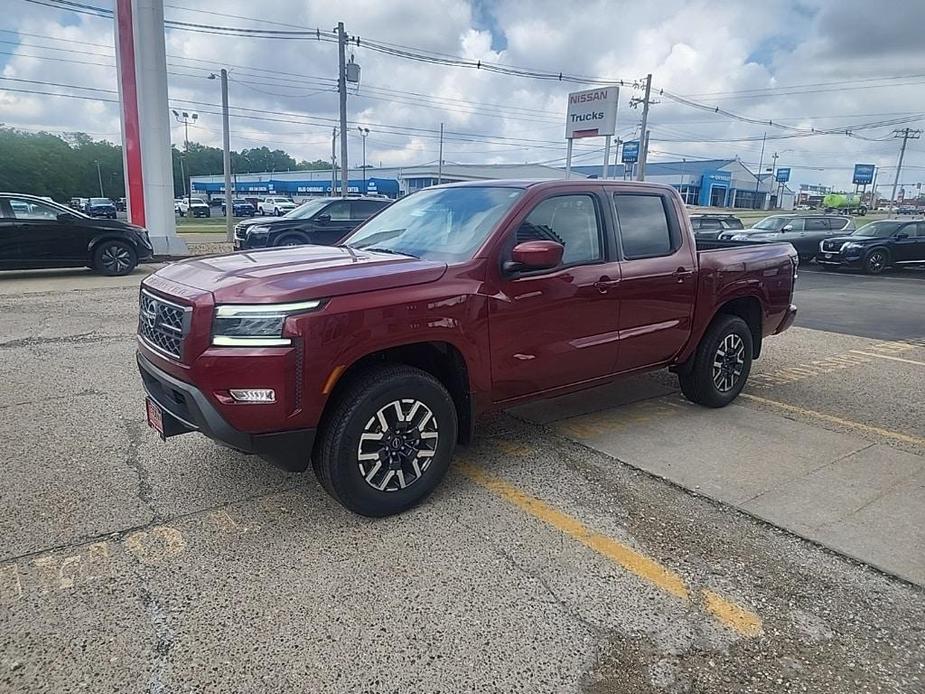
[[275, 205]]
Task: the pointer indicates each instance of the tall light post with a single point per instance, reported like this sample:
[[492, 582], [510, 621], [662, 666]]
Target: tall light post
[[99, 177], [186, 118], [364, 133], [226, 156]]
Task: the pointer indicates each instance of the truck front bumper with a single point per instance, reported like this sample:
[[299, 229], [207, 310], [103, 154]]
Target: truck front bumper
[[186, 409]]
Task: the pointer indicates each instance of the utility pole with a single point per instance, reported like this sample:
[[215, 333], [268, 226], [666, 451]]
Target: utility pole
[[906, 134], [873, 190], [342, 89], [364, 133], [643, 131], [99, 177], [440, 159], [758, 206], [226, 157], [333, 161]]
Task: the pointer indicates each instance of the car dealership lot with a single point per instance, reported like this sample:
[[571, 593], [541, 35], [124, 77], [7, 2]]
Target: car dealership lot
[[564, 552]]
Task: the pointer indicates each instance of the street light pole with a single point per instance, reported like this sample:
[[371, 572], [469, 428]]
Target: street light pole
[[99, 177], [364, 133], [186, 118], [226, 157]]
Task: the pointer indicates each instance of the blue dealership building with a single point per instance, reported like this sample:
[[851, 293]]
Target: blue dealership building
[[707, 183]]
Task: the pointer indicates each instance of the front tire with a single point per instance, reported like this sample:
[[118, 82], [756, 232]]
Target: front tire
[[114, 258], [387, 441], [876, 261], [291, 240], [721, 364]]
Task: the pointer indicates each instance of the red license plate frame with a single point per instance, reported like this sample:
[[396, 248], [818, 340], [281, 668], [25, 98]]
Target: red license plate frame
[[155, 416]]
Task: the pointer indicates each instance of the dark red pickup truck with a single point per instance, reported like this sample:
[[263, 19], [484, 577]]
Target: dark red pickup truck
[[374, 358]]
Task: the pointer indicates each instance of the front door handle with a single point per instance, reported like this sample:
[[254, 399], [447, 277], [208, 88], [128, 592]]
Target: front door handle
[[681, 273], [605, 283]]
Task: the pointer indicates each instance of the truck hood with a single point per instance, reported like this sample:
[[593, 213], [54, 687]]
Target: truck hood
[[297, 273]]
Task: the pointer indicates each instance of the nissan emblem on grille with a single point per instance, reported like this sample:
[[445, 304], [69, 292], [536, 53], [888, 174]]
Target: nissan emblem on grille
[[161, 324]]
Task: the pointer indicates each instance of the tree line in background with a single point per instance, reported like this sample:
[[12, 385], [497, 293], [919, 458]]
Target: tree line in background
[[74, 164]]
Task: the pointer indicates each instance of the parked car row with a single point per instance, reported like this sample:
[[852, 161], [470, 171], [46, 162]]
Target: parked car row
[[95, 207], [830, 240]]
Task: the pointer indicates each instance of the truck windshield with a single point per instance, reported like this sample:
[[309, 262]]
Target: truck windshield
[[878, 230], [771, 224], [446, 224], [100, 201]]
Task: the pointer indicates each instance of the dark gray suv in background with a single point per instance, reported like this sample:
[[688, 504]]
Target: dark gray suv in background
[[803, 231], [321, 221]]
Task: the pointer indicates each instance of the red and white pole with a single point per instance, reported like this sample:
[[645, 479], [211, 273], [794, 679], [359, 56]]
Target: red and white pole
[[141, 63]]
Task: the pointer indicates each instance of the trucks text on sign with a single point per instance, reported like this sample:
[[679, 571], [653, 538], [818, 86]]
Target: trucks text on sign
[[592, 113]]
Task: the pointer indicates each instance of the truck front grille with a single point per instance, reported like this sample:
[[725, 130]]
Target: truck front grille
[[240, 230], [832, 246], [162, 324]]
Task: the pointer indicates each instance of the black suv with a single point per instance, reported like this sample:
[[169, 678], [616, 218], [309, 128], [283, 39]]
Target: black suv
[[876, 246], [323, 221], [36, 233], [709, 226]]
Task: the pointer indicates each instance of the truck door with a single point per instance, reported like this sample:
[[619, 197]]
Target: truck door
[[658, 280], [556, 327], [909, 243]]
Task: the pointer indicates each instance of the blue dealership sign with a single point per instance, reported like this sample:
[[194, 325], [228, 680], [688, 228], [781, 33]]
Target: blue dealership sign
[[863, 174], [631, 151], [783, 175]]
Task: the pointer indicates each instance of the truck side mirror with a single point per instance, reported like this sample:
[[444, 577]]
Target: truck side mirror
[[902, 235], [66, 217], [323, 218], [535, 255], [786, 228]]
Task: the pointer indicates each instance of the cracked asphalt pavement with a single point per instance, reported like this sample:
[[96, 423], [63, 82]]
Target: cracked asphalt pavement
[[542, 564]]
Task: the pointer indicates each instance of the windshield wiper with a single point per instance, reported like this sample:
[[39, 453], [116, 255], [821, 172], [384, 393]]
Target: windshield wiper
[[377, 249]]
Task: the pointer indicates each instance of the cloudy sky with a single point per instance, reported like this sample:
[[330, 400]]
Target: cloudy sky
[[801, 64]]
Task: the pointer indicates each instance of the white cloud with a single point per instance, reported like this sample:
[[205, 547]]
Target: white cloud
[[691, 47]]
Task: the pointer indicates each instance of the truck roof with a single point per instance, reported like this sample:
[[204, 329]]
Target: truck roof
[[578, 183]]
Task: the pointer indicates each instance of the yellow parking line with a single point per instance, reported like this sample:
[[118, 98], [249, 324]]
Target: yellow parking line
[[743, 621], [886, 433], [886, 356], [734, 616]]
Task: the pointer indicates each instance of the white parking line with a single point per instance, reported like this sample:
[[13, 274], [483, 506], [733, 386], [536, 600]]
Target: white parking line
[[885, 356]]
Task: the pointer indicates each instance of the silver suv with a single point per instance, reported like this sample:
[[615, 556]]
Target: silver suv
[[802, 231]]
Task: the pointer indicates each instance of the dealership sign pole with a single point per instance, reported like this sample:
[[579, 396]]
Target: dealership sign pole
[[591, 113], [141, 67]]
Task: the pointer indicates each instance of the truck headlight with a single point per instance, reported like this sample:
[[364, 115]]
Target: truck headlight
[[851, 246], [258, 229], [256, 325]]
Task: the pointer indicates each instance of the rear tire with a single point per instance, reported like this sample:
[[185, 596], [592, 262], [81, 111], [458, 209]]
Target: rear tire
[[114, 258], [368, 458], [721, 364]]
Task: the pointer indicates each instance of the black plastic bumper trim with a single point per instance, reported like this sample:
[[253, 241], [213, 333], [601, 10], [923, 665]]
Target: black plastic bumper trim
[[290, 450]]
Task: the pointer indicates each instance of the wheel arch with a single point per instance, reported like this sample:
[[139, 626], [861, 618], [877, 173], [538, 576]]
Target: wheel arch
[[442, 360], [102, 238], [748, 308]]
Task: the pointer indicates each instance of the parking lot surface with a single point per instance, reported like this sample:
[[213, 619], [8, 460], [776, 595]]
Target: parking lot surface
[[620, 540]]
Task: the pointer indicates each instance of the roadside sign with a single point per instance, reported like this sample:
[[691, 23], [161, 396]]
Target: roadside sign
[[631, 152], [863, 174], [783, 175], [592, 113]]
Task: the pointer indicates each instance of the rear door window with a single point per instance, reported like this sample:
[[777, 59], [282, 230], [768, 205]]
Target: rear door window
[[338, 211], [818, 224], [644, 228], [711, 224], [838, 222], [364, 209]]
